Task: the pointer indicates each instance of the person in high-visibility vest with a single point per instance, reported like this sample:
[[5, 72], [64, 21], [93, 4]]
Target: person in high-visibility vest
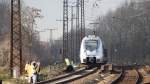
[[28, 69], [67, 62], [32, 71], [69, 65]]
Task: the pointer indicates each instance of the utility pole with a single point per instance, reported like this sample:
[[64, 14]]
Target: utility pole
[[68, 36], [51, 40], [65, 29], [80, 30], [35, 13], [82, 20], [77, 29], [16, 37], [51, 36], [72, 34]]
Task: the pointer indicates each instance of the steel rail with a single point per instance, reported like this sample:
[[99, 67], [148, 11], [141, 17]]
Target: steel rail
[[61, 76], [117, 79], [69, 77], [138, 77], [76, 77], [127, 78]]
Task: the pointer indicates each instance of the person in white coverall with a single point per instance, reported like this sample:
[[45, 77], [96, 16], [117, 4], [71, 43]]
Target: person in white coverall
[[34, 72]]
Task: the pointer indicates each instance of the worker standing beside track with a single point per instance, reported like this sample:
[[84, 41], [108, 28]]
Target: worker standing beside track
[[28, 69], [38, 70], [32, 71]]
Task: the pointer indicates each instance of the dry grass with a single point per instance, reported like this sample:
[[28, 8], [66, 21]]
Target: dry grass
[[4, 73], [14, 81], [6, 79], [51, 71], [46, 73]]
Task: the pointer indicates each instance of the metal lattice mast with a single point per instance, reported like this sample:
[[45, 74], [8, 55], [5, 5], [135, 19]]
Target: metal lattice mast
[[77, 16], [65, 28], [16, 42], [72, 33], [82, 20], [77, 27]]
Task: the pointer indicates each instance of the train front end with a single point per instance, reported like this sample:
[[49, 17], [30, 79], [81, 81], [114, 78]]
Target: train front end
[[91, 51]]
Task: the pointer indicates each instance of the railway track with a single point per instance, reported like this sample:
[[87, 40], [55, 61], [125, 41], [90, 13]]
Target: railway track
[[111, 78], [128, 77], [145, 74], [70, 76]]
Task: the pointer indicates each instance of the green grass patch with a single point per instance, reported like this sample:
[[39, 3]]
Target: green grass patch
[[4, 74]]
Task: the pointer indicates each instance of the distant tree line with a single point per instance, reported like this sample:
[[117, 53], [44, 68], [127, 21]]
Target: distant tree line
[[32, 50], [125, 33]]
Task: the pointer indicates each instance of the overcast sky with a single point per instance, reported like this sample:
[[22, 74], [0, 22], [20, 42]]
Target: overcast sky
[[52, 11]]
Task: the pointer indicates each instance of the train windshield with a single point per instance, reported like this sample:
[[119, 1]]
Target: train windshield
[[91, 44]]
